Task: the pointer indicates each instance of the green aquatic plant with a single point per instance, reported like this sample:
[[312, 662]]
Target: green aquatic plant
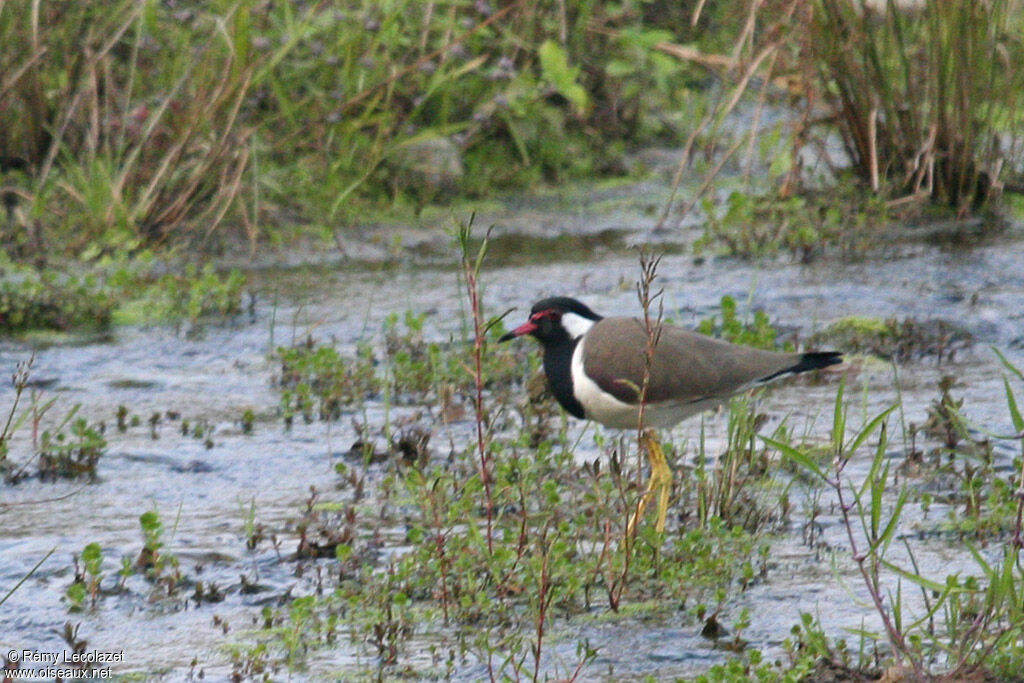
[[900, 340], [754, 226], [316, 382], [757, 332], [159, 566], [88, 577], [193, 295], [971, 623], [507, 541], [71, 453]]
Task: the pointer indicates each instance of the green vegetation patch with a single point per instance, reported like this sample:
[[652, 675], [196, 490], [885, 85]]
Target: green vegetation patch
[[757, 332], [755, 226], [901, 340], [48, 301], [31, 300], [150, 124], [193, 295]]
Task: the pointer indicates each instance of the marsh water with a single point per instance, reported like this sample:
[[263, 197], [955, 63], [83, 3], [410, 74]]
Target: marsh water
[[207, 493]]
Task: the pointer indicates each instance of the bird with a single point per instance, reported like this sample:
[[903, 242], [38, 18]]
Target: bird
[[599, 368]]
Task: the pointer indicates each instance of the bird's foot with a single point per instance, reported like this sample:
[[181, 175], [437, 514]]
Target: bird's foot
[[660, 481]]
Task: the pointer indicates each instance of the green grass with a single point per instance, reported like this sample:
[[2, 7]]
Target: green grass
[[133, 124]]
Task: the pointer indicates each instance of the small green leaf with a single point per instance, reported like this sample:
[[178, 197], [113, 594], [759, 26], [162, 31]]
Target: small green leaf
[[92, 557], [927, 584], [76, 593], [868, 429], [1011, 403], [554, 66], [800, 458]]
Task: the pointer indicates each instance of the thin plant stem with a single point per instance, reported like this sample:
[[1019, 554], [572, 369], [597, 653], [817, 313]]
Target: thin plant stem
[[471, 270]]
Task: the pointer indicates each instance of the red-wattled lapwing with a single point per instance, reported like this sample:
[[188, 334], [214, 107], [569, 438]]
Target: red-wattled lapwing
[[596, 368]]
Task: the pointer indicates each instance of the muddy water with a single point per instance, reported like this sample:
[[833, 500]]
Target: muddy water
[[205, 495]]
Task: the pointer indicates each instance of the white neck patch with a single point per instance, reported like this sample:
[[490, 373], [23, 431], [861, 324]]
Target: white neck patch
[[576, 325]]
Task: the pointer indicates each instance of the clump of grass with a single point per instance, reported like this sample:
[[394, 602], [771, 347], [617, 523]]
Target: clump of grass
[[734, 487], [127, 120], [756, 226], [899, 340], [48, 301], [926, 97], [147, 124]]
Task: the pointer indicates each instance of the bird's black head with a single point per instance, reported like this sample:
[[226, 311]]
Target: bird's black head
[[555, 318]]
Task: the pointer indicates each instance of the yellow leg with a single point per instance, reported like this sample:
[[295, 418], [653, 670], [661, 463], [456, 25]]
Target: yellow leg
[[660, 479]]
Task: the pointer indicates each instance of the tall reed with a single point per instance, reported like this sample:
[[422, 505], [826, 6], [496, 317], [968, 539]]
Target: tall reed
[[927, 96]]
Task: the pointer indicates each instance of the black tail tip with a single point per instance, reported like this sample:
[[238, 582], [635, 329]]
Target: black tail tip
[[816, 360]]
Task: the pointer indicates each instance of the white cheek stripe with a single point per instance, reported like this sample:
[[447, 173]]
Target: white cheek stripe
[[576, 325]]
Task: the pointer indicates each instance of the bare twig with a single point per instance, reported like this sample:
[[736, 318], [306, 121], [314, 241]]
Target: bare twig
[[652, 326]]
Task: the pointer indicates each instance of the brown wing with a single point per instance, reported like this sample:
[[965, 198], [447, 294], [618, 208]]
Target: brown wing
[[686, 366]]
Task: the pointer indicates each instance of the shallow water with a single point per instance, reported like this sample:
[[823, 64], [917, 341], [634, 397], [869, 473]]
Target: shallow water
[[204, 495]]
